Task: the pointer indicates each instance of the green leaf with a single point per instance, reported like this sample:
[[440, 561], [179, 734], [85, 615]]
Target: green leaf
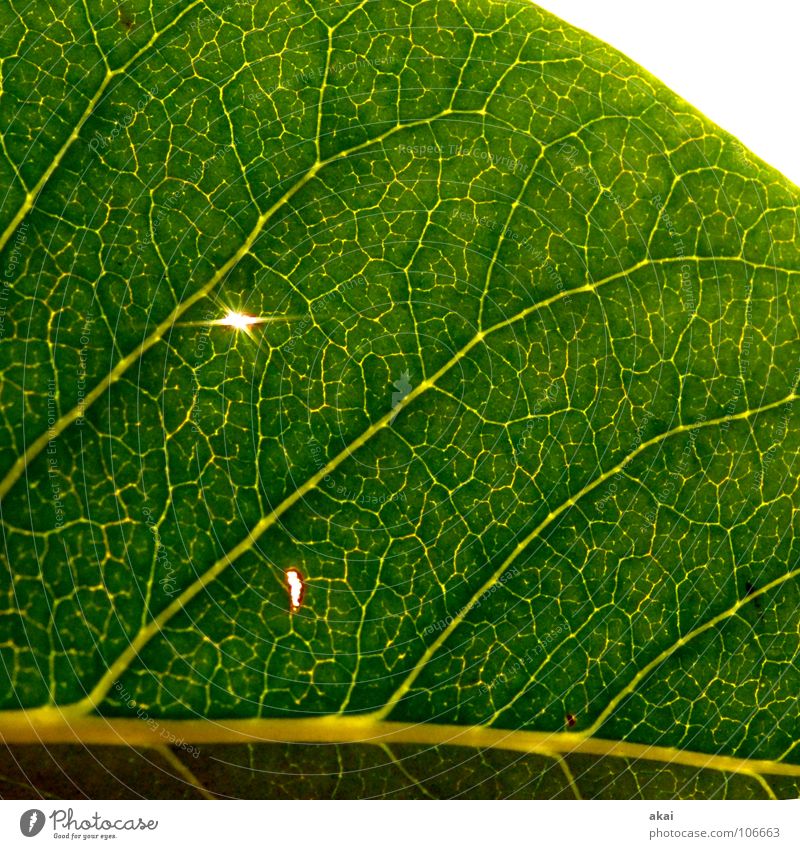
[[520, 407]]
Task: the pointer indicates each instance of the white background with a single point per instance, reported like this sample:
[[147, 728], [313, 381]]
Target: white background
[[737, 61]]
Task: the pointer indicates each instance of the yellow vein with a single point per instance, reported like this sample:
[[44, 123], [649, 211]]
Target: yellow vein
[[562, 762], [548, 520]]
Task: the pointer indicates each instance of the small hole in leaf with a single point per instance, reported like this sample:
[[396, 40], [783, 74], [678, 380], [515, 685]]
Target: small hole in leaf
[[571, 720]]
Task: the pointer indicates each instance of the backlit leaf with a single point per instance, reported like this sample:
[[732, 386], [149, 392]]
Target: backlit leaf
[[412, 373]]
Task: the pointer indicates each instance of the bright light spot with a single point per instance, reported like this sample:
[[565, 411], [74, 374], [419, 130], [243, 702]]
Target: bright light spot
[[239, 320], [297, 588]]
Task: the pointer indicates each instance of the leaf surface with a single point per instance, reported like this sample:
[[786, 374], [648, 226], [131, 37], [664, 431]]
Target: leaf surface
[[520, 406]]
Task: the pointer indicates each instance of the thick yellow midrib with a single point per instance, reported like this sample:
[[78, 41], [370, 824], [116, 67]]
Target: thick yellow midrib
[[52, 726]]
